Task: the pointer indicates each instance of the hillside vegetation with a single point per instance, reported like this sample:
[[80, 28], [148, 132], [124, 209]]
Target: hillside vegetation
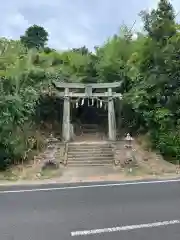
[[148, 67]]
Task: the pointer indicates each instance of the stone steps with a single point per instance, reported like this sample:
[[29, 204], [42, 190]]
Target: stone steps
[[91, 148], [90, 158], [90, 164], [90, 154], [89, 128]]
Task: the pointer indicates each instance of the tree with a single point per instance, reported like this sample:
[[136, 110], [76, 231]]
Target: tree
[[83, 50], [35, 37], [113, 57], [148, 66], [160, 23], [155, 95]]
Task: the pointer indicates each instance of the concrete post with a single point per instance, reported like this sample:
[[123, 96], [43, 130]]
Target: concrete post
[[111, 117], [66, 116]]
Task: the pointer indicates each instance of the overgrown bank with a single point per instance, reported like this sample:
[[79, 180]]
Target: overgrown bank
[[148, 67]]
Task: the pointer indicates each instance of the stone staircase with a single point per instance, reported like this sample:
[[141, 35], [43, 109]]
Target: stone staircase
[[90, 132], [89, 128], [90, 154]]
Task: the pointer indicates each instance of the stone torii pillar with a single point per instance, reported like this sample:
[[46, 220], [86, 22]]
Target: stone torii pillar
[[66, 116], [111, 116]]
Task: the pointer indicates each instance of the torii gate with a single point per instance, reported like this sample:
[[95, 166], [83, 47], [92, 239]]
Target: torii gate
[[68, 94]]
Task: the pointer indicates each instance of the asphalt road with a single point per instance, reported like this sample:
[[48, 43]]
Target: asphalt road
[[63, 212]]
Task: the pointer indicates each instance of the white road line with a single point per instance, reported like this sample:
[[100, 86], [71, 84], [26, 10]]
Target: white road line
[[89, 186], [124, 228]]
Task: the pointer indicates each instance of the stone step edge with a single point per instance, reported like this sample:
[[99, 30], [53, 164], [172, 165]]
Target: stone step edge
[[90, 154], [90, 165], [90, 143], [90, 159], [89, 147], [76, 149], [106, 162]]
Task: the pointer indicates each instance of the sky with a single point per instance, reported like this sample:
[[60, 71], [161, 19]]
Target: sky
[[73, 23]]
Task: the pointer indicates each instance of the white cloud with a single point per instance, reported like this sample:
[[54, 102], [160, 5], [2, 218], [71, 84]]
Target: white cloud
[[72, 23]]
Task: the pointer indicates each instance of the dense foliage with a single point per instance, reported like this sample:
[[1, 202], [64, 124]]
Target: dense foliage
[[148, 66]]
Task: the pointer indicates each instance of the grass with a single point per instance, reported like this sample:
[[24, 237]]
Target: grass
[[8, 175], [50, 173]]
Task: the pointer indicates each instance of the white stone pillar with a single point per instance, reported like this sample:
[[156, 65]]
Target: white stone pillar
[[66, 116], [111, 117]]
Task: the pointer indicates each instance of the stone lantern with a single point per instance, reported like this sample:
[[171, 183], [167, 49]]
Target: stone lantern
[[128, 140]]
